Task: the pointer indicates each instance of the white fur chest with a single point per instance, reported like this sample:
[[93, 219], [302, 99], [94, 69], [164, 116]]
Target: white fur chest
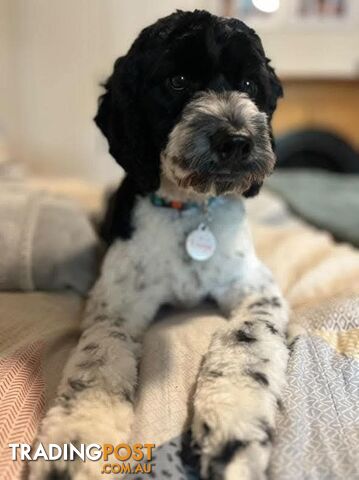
[[155, 260]]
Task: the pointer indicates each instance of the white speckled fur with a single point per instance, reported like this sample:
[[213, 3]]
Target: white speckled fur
[[95, 402]]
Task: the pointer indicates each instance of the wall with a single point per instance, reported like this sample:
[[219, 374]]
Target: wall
[[324, 49], [53, 56]]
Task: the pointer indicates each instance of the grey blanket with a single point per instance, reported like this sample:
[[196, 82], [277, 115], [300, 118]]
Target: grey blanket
[[317, 428], [329, 201]]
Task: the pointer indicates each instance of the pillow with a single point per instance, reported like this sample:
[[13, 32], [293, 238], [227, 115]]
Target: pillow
[[46, 242]]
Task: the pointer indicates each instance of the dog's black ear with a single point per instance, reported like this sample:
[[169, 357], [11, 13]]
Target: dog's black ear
[[276, 89], [121, 120]]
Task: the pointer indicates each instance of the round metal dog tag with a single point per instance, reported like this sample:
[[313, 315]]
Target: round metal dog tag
[[201, 243]]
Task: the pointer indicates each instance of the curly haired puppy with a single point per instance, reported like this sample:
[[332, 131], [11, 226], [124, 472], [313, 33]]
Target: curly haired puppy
[[187, 114]]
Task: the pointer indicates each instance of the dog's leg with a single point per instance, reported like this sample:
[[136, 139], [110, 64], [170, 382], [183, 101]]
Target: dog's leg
[[95, 401], [240, 381]]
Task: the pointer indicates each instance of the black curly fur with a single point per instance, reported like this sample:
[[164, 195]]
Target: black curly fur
[[138, 110]]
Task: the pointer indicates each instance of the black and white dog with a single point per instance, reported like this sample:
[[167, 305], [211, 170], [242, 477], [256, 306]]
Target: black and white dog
[[187, 114]]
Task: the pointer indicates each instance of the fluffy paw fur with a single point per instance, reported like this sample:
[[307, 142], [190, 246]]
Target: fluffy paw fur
[[94, 418], [230, 449]]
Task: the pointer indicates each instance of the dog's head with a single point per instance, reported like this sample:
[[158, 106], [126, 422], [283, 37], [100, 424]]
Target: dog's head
[[192, 101]]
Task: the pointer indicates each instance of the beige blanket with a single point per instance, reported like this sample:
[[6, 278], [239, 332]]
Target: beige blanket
[[321, 282]]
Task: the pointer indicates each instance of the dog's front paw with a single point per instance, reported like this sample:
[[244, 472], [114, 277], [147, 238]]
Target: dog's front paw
[[62, 429], [86, 421], [231, 443]]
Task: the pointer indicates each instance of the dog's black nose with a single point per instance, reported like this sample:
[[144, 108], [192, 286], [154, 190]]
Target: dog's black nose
[[235, 147]]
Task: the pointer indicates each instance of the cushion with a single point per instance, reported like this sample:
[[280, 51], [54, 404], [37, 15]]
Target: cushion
[[47, 242]]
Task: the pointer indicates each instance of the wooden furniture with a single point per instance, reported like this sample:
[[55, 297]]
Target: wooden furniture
[[326, 103]]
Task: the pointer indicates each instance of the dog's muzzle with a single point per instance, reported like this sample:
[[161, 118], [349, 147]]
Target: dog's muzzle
[[221, 144]]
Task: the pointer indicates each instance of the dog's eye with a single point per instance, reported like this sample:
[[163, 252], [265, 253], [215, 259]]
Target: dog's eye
[[249, 87], [178, 82]]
